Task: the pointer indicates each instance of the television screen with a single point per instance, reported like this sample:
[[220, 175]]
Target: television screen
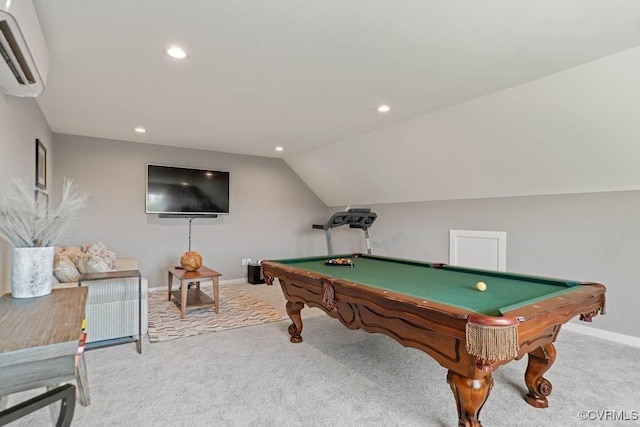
[[178, 190]]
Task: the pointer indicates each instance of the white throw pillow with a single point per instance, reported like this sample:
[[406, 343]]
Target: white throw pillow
[[64, 269], [90, 264], [70, 251], [101, 250]]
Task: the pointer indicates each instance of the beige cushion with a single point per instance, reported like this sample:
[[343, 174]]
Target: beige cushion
[[101, 250], [90, 264], [70, 251], [64, 269]]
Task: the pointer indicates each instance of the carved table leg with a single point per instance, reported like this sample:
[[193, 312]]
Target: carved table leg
[[540, 360], [470, 397], [295, 329]]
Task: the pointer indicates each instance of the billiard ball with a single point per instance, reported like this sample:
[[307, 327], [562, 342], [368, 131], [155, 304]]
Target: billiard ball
[[481, 286]]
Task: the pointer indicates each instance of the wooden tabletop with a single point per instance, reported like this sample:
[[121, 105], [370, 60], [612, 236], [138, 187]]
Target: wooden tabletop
[[39, 339], [42, 321], [202, 273]]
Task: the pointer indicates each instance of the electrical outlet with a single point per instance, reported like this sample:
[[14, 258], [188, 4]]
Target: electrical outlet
[[244, 261]]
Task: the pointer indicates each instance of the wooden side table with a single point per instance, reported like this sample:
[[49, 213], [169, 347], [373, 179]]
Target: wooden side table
[[40, 346], [194, 297]]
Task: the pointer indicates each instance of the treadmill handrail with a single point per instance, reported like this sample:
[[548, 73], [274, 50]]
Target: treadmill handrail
[[360, 218]]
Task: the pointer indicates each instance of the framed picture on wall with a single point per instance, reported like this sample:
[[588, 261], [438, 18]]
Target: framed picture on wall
[[41, 165]]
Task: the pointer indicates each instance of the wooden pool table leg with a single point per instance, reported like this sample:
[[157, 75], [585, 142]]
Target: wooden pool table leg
[[470, 397], [540, 360], [295, 329]]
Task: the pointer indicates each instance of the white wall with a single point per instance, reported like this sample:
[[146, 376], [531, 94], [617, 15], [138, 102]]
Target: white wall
[[572, 132], [593, 237], [21, 122], [271, 208]]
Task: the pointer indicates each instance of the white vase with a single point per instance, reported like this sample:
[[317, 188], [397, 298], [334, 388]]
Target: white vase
[[32, 274]]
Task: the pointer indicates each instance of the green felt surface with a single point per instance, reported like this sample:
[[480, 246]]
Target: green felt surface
[[452, 286]]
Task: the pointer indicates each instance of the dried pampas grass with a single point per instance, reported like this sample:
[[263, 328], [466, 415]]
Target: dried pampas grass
[[26, 220]]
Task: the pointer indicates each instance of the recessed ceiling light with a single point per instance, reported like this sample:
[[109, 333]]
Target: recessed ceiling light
[[176, 52], [140, 130], [279, 149], [383, 109]]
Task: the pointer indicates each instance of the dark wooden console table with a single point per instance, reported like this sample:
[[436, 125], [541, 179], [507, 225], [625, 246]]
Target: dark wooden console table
[[41, 342]]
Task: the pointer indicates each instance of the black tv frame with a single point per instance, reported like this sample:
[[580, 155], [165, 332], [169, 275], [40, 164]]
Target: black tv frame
[[186, 214]]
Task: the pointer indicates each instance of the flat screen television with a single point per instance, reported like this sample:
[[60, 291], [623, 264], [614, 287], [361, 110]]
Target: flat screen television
[[186, 191]]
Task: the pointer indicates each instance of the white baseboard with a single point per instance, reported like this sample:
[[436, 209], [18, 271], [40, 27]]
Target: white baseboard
[[601, 333], [222, 282]]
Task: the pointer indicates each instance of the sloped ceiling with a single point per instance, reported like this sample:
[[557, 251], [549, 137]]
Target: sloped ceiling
[[572, 132], [308, 75]]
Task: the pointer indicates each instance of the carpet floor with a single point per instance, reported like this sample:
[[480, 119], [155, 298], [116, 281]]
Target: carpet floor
[[255, 377], [237, 309]]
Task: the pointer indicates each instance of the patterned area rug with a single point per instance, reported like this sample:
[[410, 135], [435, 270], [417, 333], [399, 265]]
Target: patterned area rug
[[237, 309]]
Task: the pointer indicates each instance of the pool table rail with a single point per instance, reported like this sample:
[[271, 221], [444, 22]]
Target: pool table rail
[[585, 301], [539, 323]]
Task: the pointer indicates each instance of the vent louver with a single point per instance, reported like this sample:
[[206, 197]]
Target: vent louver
[[22, 46]]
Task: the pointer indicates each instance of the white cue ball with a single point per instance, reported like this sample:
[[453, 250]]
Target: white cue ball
[[481, 286]]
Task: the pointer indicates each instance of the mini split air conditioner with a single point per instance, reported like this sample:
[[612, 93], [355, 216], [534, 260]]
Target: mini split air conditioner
[[24, 58]]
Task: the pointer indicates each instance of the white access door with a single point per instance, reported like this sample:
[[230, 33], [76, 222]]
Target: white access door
[[486, 250]]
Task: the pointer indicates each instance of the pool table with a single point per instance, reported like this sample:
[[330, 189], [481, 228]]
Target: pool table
[[437, 308]]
